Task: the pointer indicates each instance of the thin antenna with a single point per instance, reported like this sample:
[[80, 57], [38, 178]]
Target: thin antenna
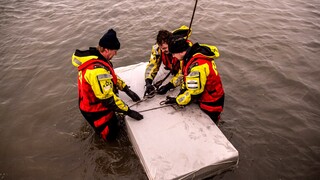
[[194, 10]]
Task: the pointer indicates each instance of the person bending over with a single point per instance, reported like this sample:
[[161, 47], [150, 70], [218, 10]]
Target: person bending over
[[161, 55], [202, 83], [98, 87]]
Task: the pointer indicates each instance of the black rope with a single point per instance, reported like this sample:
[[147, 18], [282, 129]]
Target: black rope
[[194, 10]]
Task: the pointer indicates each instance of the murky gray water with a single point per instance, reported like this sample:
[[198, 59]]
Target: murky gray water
[[269, 65]]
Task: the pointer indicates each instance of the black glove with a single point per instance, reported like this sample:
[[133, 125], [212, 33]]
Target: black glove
[[134, 114], [131, 94], [149, 87], [170, 100], [164, 89]]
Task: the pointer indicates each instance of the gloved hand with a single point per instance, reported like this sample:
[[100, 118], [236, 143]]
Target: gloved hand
[[134, 114], [131, 94], [149, 87], [164, 89], [170, 100]]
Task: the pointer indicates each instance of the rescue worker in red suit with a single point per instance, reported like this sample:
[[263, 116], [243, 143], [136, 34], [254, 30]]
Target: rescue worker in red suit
[[98, 87], [202, 82], [160, 55]]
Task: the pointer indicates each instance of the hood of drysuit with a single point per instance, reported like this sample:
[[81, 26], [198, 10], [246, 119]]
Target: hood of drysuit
[[182, 31], [80, 57], [209, 51]]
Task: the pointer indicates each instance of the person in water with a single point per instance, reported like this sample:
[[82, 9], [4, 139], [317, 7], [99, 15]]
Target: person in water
[[160, 55], [202, 83], [98, 87]]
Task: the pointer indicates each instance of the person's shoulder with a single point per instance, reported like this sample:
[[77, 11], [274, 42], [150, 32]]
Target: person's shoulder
[[156, 49], [97, 65]]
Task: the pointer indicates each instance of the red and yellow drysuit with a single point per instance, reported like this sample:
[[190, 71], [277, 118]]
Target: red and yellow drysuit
[[202, 81], [97, 88], [157, 58]]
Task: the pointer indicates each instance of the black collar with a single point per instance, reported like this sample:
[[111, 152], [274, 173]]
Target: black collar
[[190, 52]]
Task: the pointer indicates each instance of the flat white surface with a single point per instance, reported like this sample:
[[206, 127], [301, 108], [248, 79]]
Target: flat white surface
[[174, 143]]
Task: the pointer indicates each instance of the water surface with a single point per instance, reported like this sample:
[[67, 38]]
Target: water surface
[[269, 66]]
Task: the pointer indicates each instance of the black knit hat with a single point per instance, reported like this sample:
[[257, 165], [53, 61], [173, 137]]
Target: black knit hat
[[177, 44], [109, 40]]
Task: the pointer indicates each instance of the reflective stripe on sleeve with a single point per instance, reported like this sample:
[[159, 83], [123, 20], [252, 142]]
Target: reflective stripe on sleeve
[[192, 84], [104, 76]]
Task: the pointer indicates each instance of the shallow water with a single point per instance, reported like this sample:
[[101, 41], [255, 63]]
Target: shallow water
[[269, 65]]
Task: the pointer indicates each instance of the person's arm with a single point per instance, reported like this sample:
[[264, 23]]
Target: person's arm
[[152, 69], [195, 84], [101, 83], [154, 63], [122, 86]]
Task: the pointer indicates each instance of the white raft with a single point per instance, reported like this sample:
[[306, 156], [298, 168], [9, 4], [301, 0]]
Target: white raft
[[174, 144]]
